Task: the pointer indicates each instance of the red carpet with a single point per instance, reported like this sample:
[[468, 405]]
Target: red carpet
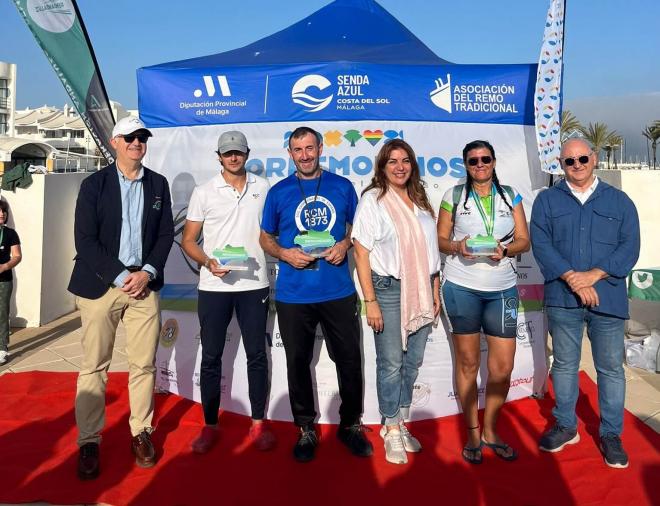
[[38, 459]]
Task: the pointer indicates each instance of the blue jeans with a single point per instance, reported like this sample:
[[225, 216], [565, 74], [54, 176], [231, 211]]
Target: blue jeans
[[396, 370], [566, 326]]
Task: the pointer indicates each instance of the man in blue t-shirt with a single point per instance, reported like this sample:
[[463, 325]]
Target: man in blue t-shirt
[[312, 290]]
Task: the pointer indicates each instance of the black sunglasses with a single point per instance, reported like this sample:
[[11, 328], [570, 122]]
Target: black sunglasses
[[569, 162], [484, 159], [143, 138]]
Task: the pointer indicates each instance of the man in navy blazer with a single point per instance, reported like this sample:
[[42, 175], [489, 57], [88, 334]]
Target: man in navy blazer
[[123, 234]]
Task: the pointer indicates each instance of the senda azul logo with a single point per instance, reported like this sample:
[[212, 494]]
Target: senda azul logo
[[349, 92], [303, 92]]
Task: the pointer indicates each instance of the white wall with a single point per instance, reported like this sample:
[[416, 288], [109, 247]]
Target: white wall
[[59, 250], [43, 217], [642, 187]]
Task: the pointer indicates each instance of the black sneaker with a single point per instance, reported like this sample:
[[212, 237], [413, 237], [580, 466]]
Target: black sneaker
[[557, 437], [305, 447], [612, 448], [353, 437]]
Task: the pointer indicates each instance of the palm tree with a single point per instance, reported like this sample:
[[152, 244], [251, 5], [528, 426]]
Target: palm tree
[[598, 135], [569, 124], [613, 141], [652, 134]]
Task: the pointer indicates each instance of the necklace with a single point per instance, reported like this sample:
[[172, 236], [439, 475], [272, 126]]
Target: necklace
[[489, 221], [302, 192]]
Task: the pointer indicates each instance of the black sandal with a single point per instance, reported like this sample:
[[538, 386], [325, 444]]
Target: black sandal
[[473, 455], [501, 450]]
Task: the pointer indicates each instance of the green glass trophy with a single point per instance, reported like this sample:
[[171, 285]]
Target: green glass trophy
[[315, 243], [481, 245], [232, 258]]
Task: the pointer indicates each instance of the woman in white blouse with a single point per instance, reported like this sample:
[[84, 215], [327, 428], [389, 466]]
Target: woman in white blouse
[[397, 261]]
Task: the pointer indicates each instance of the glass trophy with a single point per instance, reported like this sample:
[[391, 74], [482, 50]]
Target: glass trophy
[[314, 242], [481, 246], [233, 258]]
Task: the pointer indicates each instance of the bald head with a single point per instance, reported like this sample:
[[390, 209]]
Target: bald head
[[583, 145]]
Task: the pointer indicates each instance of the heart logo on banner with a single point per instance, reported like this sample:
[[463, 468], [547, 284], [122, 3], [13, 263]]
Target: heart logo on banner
[[373, 136]]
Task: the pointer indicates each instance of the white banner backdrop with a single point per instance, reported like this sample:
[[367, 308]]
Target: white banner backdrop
[[185, 155]]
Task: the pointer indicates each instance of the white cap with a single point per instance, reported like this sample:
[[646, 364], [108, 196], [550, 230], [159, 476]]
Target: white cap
[[128, 125]]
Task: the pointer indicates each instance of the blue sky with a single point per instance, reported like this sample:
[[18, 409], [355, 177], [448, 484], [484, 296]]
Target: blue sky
[[609, 51], [612, 48]]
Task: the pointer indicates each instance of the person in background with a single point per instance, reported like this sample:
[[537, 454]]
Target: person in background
[[227, 211], [397, 260], [10, 257], [479, 293], [586, 240]]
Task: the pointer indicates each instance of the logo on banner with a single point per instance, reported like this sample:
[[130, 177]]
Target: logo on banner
[[522, 381], [351, 90], [55, 16], [421, 394], [300, 96], [441, 95], [210, 87], [316, 215], [642, 279], [169, 333], [325, 389], [333, 138], [525, 333]]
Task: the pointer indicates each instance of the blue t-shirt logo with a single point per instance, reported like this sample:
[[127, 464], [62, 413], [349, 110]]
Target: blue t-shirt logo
[[320, 215]]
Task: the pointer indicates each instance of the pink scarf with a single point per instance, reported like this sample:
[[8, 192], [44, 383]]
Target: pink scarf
[[416, 296]]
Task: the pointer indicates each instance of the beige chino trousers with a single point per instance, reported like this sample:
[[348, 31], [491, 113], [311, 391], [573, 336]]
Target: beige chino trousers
[[100, 318]]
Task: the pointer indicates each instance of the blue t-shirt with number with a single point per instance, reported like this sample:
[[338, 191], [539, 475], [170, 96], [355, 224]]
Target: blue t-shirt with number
[[290, 208]]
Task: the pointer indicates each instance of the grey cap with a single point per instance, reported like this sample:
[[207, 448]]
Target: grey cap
[[232, 141]]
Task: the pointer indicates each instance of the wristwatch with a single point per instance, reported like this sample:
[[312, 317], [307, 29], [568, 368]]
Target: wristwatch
[[505, 252], [151, 275]]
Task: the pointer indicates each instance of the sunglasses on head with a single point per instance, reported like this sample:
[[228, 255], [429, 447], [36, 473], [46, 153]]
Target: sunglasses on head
[[484, 159], [569, 162], [142, 138]]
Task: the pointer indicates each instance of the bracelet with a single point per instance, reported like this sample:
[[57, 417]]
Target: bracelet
[[369, 300]]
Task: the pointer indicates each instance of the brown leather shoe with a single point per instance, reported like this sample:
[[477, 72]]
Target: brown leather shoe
[[143, 449], [88, 461]]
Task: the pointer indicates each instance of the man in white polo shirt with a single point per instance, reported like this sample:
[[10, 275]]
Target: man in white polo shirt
[[227, 209]]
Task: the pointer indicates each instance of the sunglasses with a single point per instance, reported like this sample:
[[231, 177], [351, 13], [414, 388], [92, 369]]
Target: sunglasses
[[142, 138], [484, 159], [569, 162]]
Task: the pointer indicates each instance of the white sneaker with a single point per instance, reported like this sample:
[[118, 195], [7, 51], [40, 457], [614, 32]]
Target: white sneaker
[[394, 450], [410, 442], [4, 355]]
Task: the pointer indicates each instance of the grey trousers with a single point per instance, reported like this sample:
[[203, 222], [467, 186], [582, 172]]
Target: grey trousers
[[6, 288]]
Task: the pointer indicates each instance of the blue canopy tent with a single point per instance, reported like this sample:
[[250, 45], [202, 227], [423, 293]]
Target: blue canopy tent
[[372, 36]]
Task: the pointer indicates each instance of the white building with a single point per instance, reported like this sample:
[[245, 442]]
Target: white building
[[47, 136], [7, 97]]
